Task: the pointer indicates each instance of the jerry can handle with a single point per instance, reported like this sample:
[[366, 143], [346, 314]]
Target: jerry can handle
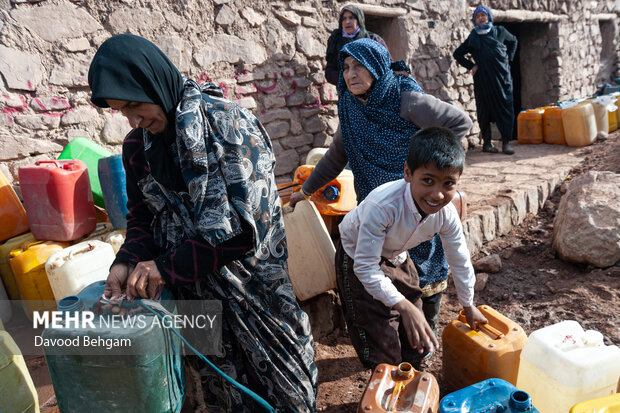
[[55, 162], [492, 330]]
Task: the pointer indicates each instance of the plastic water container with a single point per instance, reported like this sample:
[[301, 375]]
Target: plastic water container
[[530, 126], [400, 389], [113, 187], [553, 129], [613, 120], [116, 239], [315, 155], [13, 220], [146, 377], [77, 266], [17, 391], [471, 356], [579, 125], [562, 365], [607, 404], [336, 198], [28, 265], [58, 200], [88, 152], [491, 395], [600, 115], [6, 310], [5, 268]]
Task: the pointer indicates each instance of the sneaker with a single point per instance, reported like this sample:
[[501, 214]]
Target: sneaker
[[507, 149], [489, 148]]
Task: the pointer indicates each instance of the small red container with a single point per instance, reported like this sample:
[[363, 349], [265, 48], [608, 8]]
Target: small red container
[[58, 199]]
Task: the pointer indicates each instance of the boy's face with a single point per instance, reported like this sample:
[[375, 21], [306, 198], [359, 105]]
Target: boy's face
[[432, 188]]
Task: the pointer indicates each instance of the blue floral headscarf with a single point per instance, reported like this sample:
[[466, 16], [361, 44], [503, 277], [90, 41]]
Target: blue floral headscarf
[[375, 137]]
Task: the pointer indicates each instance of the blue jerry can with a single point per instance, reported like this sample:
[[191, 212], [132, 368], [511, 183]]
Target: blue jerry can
[[113, 186], [491, 395]]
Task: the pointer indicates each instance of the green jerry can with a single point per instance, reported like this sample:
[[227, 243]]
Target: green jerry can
[[116, 364], [88, 152]]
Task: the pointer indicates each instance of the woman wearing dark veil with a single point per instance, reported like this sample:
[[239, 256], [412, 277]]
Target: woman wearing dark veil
[[204, 219], [492, 48], [351, 26]]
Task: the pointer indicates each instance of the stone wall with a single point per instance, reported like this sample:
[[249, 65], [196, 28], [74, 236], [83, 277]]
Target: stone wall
[[269, 57]]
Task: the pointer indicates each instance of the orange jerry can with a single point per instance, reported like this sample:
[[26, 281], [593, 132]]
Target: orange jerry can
[[400, 389], [471, 356], [530, 126], [13, 220], [553, 129], [336, 198]]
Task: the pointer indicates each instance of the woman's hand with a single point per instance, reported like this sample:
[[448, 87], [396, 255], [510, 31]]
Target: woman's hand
[[144, 281], [474, 317], [419, 333], [116, 279], [295, 198], [474, 69]]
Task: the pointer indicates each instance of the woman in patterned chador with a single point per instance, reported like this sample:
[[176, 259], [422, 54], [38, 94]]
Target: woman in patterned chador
[[205, 221]]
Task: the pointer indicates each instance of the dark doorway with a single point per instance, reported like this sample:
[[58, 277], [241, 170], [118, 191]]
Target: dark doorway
[[392, 31]]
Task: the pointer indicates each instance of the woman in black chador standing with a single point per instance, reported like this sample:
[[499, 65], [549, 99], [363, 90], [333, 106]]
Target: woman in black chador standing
[[492, 48]]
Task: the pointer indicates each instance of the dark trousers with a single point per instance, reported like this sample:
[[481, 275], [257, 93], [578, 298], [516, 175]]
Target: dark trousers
[[375, 330], [431, 307]]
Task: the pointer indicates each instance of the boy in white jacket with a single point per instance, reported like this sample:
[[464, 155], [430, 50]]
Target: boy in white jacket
[[377, 281]]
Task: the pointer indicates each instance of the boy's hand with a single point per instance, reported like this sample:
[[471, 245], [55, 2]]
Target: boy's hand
[[418, 331], [295, 198], [474, 317]]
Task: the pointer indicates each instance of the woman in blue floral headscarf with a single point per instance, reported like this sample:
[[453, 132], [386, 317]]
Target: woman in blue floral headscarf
[[379, 111], [204, 220]]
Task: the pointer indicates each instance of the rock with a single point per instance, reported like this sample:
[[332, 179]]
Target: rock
[[255, 19], [481, 281], [491, 264], [277, 129], [287, 162], [308, 45], [72, 72], [115, 129], [231, 49], [47, 103], [226, 16], [53, 22], [22, 71], [178, 50], [134, 20], [38, 122], [585, 229]]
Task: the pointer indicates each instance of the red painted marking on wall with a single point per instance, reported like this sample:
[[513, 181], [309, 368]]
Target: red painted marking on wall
[[30, 87], [40, 104], [269, 88], [224, 89], [204, 77]]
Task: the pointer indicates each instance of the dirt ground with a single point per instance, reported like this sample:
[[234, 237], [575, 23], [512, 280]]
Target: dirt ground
[[534, 288]]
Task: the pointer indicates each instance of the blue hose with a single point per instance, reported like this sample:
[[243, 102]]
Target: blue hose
[[262, 402]]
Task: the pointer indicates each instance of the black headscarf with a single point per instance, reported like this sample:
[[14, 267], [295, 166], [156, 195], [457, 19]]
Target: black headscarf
[[131, 68], [336, 40]]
